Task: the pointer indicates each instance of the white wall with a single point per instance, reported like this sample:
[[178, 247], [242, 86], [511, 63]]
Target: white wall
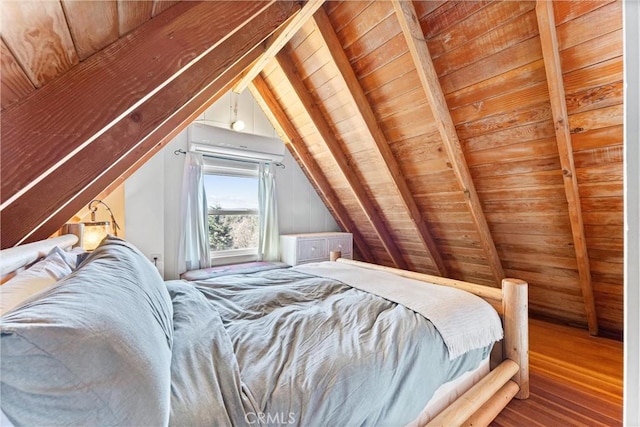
[[145, 209], [300, 210], [152, 194], [631, 10]]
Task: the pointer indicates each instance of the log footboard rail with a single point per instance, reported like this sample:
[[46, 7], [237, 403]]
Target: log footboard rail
[[479, 405]]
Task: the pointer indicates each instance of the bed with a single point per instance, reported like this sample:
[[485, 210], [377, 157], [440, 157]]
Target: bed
[[335, 343]]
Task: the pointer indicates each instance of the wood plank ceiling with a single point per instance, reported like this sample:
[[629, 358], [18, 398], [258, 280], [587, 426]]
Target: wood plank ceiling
[[473, 139], [492, 149]]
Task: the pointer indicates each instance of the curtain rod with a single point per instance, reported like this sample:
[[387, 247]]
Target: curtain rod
[[211, 156]]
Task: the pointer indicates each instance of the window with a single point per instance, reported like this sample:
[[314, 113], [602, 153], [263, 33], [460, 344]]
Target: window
[[233, 216]]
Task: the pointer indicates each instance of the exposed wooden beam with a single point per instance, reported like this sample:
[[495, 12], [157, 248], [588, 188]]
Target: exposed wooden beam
[[370, 122], [553, 68], [294, 142], [277, 41], [189, 112], [415, 38], [84, 102], [347, 169], [98, 150]]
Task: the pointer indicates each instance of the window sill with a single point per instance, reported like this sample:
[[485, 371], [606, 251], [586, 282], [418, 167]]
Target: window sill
[[233, 257]]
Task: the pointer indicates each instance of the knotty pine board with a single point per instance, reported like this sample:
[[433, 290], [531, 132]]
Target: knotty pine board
[[41, 27], [93, 25], [15, 83]]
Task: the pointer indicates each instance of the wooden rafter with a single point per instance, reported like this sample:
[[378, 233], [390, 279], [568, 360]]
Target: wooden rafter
[[553, 69], [89, 152], [61, 117], [277, 41], [415, 38], [294, 142], [169, 130], [191, 111], [348, 170], [359, 99]]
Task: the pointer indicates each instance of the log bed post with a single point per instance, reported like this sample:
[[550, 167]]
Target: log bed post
[[516, 333], [479, 405]]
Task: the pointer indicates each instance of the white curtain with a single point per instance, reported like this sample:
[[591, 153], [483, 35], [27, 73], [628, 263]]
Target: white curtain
[[193, 250], [269, 238]]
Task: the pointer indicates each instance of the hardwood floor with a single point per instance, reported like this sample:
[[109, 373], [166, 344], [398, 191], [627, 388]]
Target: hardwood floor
[[576, 380]]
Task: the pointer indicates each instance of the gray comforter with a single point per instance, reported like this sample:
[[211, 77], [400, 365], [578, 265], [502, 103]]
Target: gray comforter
[[281, 347]]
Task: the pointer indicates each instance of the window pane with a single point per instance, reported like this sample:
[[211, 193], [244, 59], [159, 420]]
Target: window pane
[[231, 192], [237, 228]]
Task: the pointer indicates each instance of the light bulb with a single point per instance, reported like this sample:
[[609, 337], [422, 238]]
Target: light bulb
[[238, 125]]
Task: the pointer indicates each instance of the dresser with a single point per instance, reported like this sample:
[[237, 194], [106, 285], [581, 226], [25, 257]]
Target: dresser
[[313, 247]]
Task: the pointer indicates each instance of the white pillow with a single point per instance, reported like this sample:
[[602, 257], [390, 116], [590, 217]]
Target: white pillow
[[71, 256], [40, 276]]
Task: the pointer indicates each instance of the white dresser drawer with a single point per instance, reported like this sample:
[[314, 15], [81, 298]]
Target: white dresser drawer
[[342, 244], [312, 249]]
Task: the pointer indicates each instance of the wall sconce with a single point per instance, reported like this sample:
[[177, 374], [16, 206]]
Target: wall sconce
[[95, 231]]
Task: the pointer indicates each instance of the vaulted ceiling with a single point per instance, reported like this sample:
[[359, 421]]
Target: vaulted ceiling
[[472, 139]]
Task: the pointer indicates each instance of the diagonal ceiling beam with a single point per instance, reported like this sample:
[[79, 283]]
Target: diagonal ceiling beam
[[71, 150], [114, 177], [358, 98], [277, 41], [61, 117], [415, 38], [287, 131], [348, 170], [189, 112], [553, 69]]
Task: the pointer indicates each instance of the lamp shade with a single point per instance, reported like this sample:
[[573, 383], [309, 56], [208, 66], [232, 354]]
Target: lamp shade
[[93, 234], [75, 228]]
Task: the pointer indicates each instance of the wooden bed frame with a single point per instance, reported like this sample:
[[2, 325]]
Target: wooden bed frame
[[13, 259], [476, 407], [510, 377]]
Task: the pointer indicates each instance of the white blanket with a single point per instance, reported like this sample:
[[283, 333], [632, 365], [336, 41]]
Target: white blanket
[[465, 321]]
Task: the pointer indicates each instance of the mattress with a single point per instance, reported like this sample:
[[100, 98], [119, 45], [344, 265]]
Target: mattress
[[310, 349]]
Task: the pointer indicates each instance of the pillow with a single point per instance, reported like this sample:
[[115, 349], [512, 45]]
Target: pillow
[[69, 257], [40, 276], [73, 257], [94, 349]]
